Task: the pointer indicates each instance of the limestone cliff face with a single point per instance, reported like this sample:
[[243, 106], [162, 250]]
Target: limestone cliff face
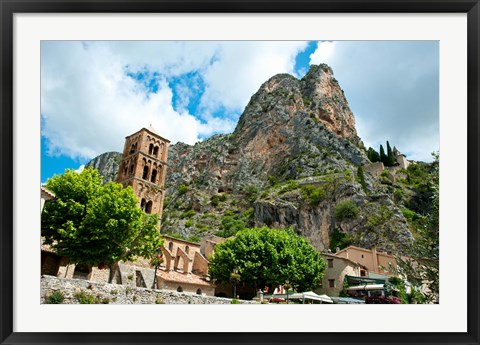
[[289, 129], [107, 164], [293, 135]]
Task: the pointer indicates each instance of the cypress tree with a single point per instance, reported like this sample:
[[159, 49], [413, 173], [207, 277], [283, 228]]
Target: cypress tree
[[373, 155], [361, 178], [390, 157], [383, 156]]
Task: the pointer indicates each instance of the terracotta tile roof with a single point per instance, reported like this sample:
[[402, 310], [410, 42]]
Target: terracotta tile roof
[[178, 277]]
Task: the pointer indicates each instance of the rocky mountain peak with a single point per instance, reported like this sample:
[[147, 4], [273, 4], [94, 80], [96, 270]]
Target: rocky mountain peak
[[293, 157], [284, 98]]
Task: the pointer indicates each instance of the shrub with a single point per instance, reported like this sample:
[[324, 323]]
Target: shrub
[[398, 194], [248, 213], [361, 178], [289, 186], [272, 179], [84, 298], [189, 223], [340, 240], [167, 201], [313, 195], [223, 197], [235, 301], [188, 214], [182, 189], [214, 200], [194, 238], [55, 297], [251, 193], [409, 214], [346, 210]]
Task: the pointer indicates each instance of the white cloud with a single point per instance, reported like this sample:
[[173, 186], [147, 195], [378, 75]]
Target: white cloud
[[241, 67], [324, 53], [89, 103], [80, 168]]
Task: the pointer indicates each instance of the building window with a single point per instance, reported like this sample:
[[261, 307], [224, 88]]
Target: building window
[[142, 204], [180, 289], [330, 263], [150, 149], [362, 256], [132, 149], [199, 292], [187, 249], [154, 176], [131, 168], [331, 283], [155, 151], [148, 207], [145, 173], [363, 273], [170, 246]]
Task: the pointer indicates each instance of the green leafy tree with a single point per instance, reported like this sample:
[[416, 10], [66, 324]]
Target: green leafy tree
[[421, 264], [93, 224], [264, 256]]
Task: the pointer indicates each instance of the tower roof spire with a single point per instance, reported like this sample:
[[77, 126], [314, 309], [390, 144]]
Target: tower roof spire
[[151, 129]]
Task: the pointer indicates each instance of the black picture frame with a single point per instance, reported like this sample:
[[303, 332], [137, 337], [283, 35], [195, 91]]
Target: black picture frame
[[7, 175]]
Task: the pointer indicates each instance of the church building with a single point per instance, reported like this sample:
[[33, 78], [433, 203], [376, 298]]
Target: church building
[[143, 166]]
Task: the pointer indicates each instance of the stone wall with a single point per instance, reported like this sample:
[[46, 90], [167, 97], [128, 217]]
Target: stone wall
[[121, 294], [375, 169]]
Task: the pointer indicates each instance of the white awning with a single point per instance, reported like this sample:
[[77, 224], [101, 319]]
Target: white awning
[[309, 295], [367, 287]]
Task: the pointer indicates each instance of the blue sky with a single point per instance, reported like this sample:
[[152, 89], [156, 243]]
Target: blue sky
[[93, 94]]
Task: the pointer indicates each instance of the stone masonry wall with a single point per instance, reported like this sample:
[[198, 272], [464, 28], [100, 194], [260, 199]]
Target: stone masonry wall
[[121, 294]]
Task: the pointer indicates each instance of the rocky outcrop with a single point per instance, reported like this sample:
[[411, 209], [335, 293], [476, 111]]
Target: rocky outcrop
[[107, 164], [293, 133]]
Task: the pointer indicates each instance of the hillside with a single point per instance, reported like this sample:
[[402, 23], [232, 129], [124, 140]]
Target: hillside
[[292, 161]]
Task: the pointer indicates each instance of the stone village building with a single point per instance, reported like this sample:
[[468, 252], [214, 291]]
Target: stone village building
[[354, 261], [185, 264], [392, 173], [184, 267]]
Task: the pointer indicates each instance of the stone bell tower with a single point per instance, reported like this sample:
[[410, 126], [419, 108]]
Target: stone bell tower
[[143, 166]]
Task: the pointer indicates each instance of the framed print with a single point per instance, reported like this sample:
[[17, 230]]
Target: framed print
[[219, 171]]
